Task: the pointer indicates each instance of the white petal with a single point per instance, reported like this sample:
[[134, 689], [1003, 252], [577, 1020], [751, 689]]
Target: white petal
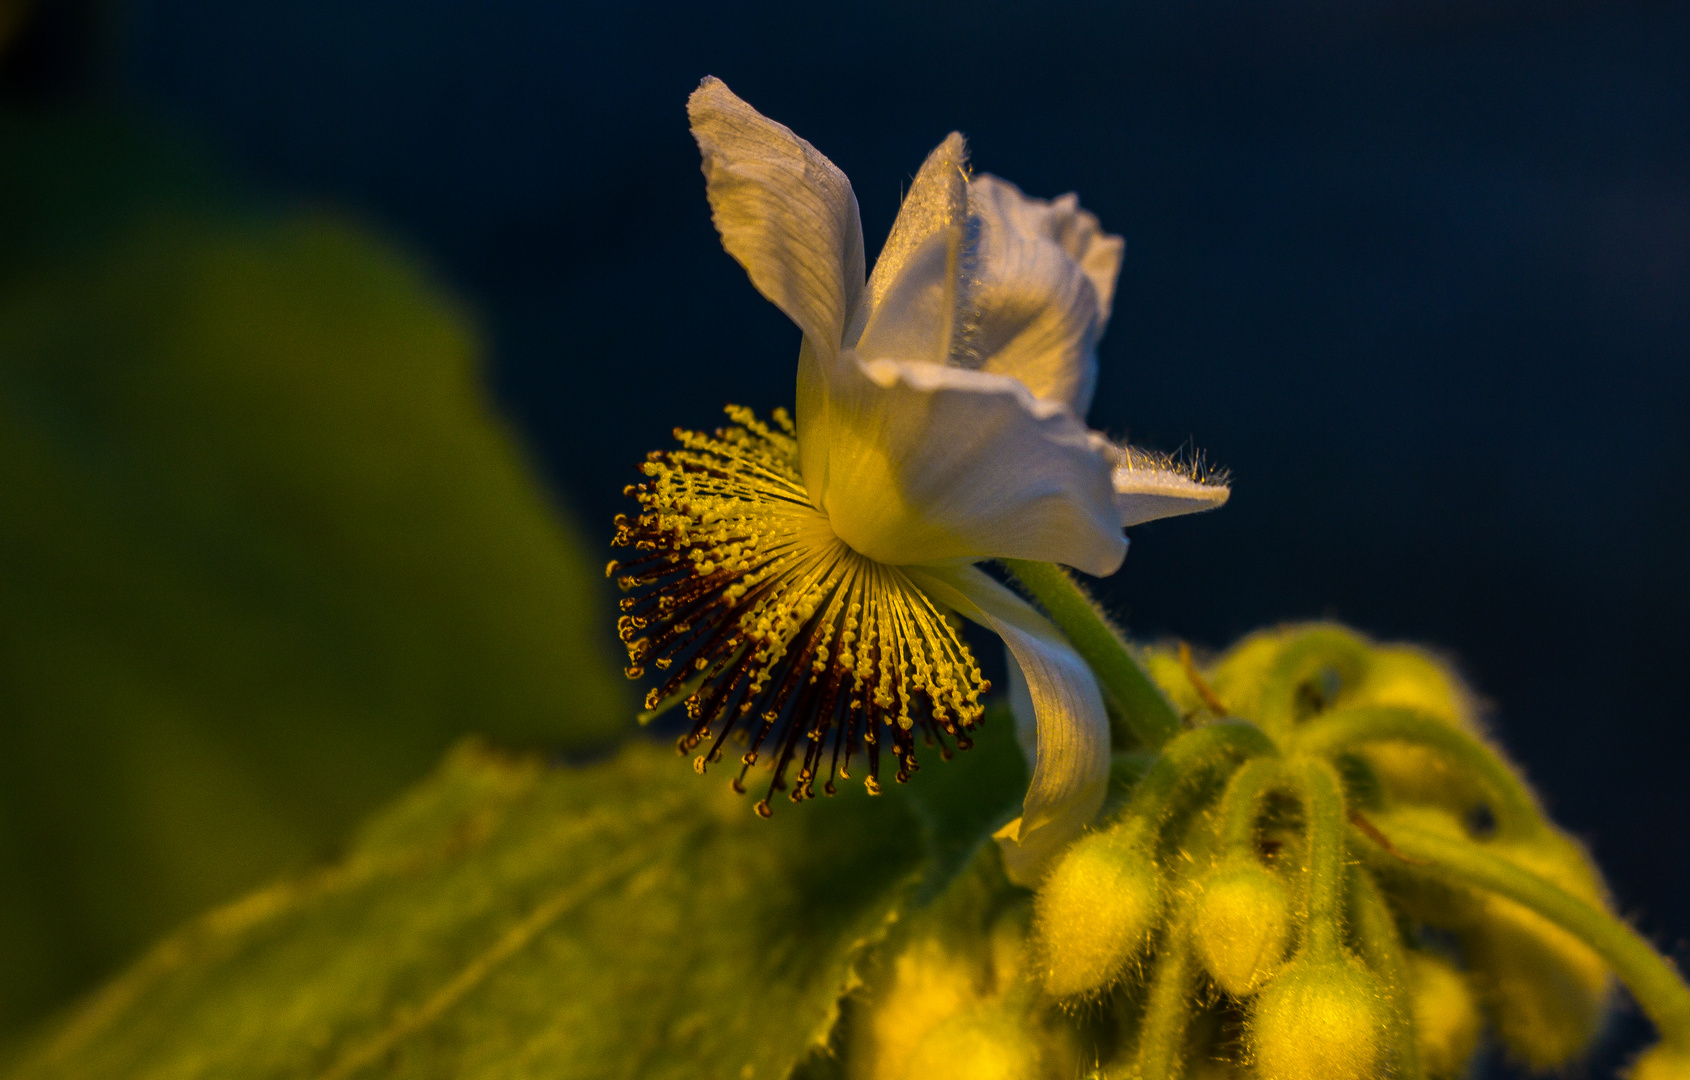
[[914, 316], [784, 211], [1021, 707], [1147, 489], [1040, 298], [919, 464], [912, 298], [1071, 767], [936, 203]]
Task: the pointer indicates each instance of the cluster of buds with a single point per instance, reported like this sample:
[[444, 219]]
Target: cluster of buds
[[1331, 874]]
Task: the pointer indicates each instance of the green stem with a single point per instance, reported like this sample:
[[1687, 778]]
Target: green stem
[[1376, 934], [1302, 656], [1159, 1051], [1323, 813], [1241, 805], [1656, 985], [1148, 713], [1517, 813], [1189, 762], [1161, 1035]]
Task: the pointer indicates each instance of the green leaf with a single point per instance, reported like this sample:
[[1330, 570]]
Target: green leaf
[[265, 549], [505, 919]]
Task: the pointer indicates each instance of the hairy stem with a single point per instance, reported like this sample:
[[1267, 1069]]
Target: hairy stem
[[1241, 805], [1147, 712], [1190, 762], [1517, 813], [1656, 985], [1305, 655], [1323, 812], [1161, 1038], [1376, 934]]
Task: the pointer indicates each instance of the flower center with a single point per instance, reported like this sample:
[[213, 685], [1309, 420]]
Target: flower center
[[773, 630]]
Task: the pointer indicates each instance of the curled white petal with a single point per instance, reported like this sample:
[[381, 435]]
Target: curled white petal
[[1146, 489], [1020, 698], [784, 211], [1040, 292], [1071, 766], [917, 463]]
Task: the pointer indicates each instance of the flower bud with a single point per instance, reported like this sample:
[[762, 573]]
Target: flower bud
[[1446, 1016], [955, 1006], [1238, 677], [1547, 990], [1241, 924], [1321, 1018], [1409, 678], [1660, 1062], [988, 1043], [1095, 912], [927, 986]]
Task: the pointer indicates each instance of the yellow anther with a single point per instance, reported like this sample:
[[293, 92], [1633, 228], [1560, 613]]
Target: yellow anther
[[774, 601]]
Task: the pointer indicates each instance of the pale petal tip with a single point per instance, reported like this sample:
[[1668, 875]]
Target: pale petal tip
[[708, 87], [1027, 859], [1149, 486]]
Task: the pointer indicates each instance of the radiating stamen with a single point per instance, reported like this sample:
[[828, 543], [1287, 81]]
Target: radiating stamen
[[774, 628]]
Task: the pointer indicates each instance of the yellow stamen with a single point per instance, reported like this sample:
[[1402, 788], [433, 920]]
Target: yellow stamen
[[742, 591]]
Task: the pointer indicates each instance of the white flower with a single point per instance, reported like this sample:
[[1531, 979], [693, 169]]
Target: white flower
[[800, 573]]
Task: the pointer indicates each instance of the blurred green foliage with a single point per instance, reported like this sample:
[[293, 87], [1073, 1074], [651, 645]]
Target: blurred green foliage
[[506, 919], [265, 550]]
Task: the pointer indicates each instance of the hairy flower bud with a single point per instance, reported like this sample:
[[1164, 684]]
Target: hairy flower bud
[[1411, 678], [1660, 1062], [1095, 911], [1408, 678], [1446, 1016], [993, 1042], [1321, 1018], [953, 1000], [1237, 678], [1548, 991], [1241, 924]]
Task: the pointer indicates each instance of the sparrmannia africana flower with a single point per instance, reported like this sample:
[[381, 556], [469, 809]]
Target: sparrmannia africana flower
[[796, 584], [1292, 880]]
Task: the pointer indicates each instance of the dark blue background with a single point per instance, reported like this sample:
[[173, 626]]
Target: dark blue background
[[1418, 272]]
